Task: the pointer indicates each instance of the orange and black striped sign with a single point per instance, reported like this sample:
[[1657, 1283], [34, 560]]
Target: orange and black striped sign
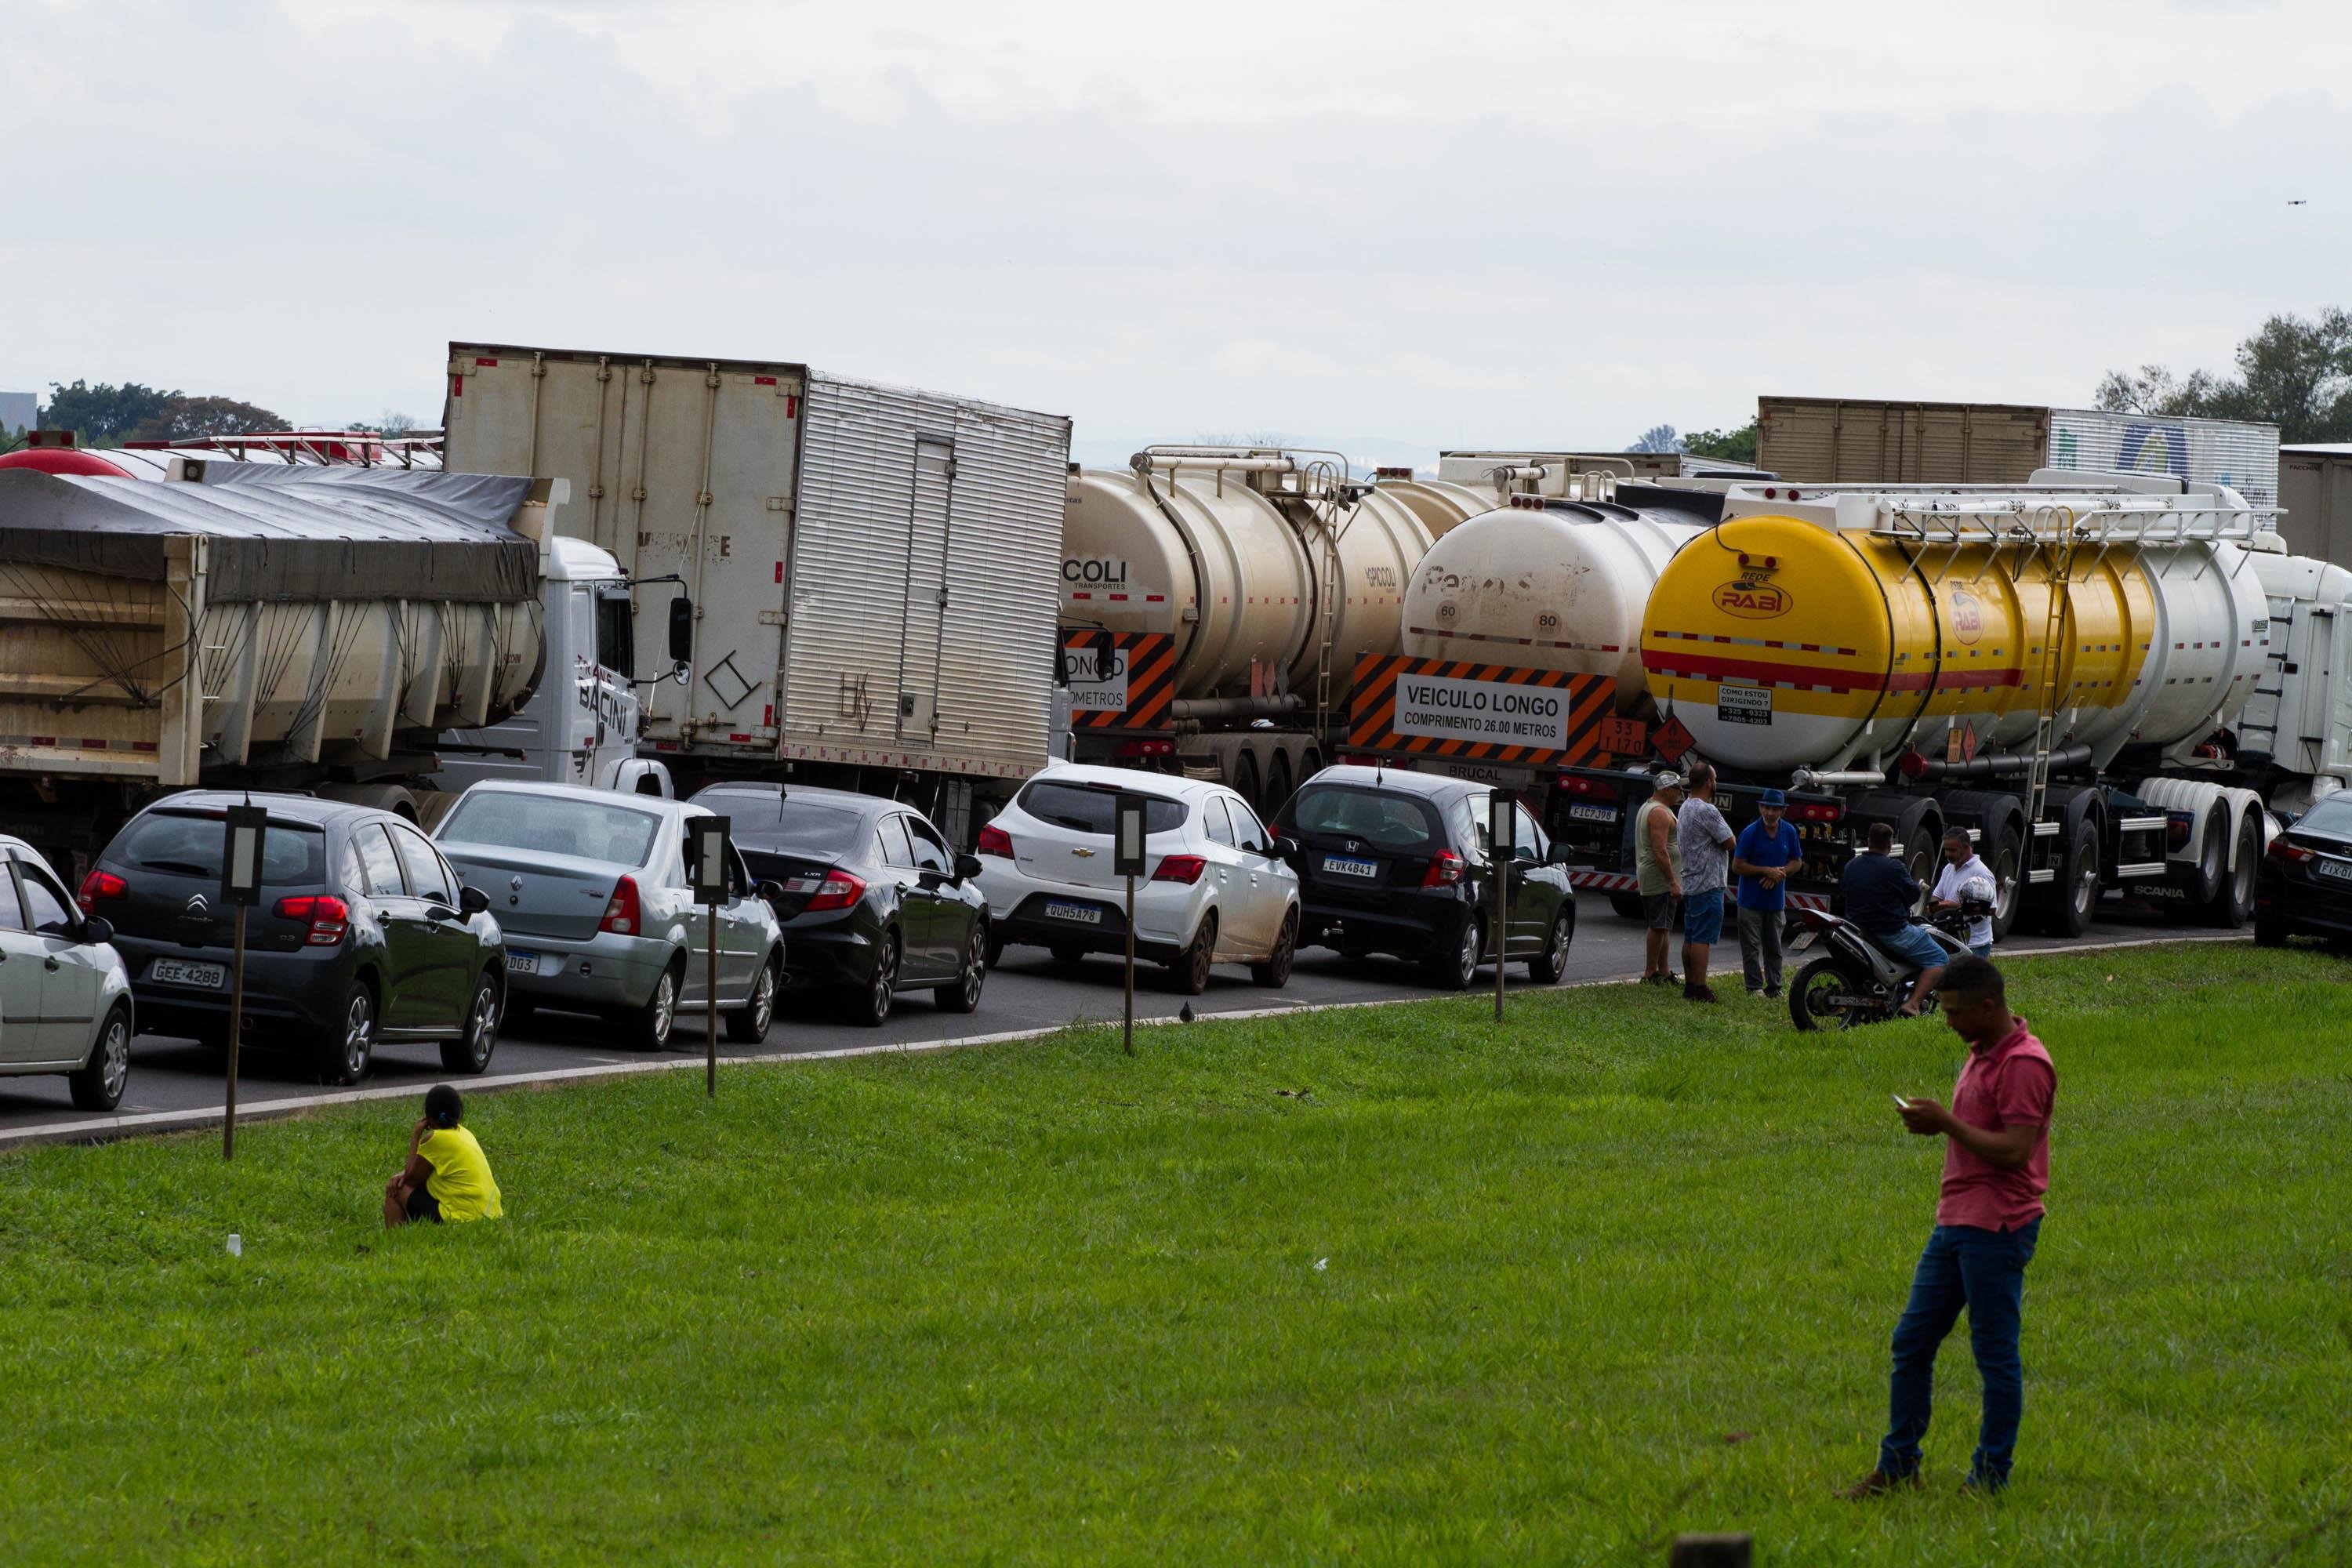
[[1480, 712], [1134, 693]]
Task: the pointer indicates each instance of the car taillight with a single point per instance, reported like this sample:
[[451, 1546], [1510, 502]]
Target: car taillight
[[2291, 854], [1446, 869], [839, 890], [326, 916], [621, 915], [99, 885], [994, 840], [1184, 868]]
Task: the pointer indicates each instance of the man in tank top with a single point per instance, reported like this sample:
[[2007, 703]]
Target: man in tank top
[[1658, 877]]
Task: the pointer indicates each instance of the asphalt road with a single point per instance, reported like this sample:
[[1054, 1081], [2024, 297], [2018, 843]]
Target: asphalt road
[[1027, 991]]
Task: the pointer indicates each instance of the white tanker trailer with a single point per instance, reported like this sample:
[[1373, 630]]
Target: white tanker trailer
[[1216, 600], [2101, 678]]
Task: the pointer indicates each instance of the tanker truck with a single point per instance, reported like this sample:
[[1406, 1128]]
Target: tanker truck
[[2105, 680], [1217, 600], [184, 619]]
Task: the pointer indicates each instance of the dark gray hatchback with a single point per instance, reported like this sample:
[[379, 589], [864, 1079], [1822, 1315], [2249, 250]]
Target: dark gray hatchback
[[363, 934]]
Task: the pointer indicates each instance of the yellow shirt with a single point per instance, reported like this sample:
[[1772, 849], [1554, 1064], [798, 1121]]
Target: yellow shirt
[[461, 1181]]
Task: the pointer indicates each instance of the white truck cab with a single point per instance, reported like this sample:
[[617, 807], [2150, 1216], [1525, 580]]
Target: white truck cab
[[581, 724]]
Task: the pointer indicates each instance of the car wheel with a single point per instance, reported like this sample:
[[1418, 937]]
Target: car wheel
[[1274, 973], [748, 1025], [962, 994], [1068, 953], [1455, 969], [1189, 975], [995, 948], [648, 1026], [871, 1006], [98, 1084], [350, 1045], [470, 1052], [1545, 967]]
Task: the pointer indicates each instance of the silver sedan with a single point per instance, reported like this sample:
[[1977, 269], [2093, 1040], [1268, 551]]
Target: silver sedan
[[65, 997], [594, 892]]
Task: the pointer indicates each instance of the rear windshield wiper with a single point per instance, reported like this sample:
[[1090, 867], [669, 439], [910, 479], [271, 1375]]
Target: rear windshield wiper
[[1081, 826], [188, 866]]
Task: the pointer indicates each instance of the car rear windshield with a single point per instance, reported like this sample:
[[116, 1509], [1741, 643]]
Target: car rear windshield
[[190, 844], [1382, 819], [1090, 810], [799, 829], [2333, 815], [552, 825]]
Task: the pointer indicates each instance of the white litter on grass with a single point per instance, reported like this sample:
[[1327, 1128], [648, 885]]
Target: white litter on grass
[[236, 1244], [1321, 1264]]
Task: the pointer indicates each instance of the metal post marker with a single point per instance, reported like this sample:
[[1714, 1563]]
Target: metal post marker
[[714, 852], [1502, 825], [240, 889], [1127, 861]]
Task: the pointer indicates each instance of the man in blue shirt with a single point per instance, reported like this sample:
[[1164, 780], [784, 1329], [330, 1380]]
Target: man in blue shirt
[[1768, 851], [1879, 898]]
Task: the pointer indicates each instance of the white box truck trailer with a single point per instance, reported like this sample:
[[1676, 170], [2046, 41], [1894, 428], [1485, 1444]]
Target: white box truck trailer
[[873, 570]]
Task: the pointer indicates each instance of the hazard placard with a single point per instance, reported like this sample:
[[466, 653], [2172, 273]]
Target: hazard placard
[[1120, 681], [1457, 709]]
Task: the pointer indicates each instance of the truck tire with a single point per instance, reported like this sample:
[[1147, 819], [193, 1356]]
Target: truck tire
[[2235, 900], [2073, 899], [398, 799], [2204, 882], [1626, 905], [2006, 863], [1921, 851]]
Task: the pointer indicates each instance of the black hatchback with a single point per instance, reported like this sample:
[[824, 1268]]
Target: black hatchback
[[2305, 886], [363, 936], [871, 900], [1396, 862]]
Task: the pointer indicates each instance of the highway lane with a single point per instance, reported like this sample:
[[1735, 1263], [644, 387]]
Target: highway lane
[[1028, 990]]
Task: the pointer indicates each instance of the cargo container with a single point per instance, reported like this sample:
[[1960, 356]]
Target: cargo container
[[1497, 474], [874, 569], [1823, 440], [2315, 489]]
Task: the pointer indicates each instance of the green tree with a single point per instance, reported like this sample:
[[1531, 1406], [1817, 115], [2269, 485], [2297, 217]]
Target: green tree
[[1726, 445], [188, 418], [1658, 438], [104, 414], [2293, 373]]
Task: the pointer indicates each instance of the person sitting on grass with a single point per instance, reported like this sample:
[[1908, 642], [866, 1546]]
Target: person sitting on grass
[[447, 1177]]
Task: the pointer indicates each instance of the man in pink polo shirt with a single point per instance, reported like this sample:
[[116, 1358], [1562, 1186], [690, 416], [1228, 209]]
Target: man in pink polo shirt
[[1995, 1168]]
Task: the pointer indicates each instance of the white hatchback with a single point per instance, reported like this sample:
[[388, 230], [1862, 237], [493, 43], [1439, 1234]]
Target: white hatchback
[[1217, 888]]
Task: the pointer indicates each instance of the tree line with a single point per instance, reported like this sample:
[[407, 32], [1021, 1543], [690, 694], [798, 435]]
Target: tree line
[[107, 414]]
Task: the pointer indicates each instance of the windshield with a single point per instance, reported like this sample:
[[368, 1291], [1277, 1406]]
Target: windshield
[[1090, 810], [189, 844], [1382, 820], [801, 829], [552, 825], [2333, 815]]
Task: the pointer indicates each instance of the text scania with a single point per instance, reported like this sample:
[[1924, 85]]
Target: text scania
[[1494, 711]]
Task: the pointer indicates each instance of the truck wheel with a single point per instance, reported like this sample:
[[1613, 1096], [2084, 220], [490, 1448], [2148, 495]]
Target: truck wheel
[[1626, 905], [2074, 897], [2008, 864], [2235, 902], [2204, 885], [1920, 853]]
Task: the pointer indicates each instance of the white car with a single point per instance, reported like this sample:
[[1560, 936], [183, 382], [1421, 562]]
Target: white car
[[1217, 888], [65, 996]]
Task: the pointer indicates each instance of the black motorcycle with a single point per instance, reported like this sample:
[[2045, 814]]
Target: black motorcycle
[[1854, 980]]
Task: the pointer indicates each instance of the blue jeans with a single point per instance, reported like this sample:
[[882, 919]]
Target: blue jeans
[[1983, 1270]]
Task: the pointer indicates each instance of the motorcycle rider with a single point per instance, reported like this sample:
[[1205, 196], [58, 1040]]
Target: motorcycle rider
[[1962, 866], [1879, 896]]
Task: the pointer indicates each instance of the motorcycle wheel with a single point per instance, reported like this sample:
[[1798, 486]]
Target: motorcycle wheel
[[1810, 999]]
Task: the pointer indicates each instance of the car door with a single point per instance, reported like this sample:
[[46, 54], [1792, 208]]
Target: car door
[[1261, 883], [20, 978], [452, 953], [72, 970], [943, 911], [407, 935], [1534, 897], [742, 934]]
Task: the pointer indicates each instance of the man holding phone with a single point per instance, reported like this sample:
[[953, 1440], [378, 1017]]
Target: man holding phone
[[1996, 1170]]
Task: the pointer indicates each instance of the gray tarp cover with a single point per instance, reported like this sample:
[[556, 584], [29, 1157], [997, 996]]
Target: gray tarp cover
[[283, 533]]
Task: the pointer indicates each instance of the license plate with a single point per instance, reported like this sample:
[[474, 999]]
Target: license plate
[[1084, 914], [522, 963], [1347, 866], [1802, 940], [2336, 870], [183, 971], [1580, 812]]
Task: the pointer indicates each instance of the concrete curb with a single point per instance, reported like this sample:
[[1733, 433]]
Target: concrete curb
[[104, 1130]]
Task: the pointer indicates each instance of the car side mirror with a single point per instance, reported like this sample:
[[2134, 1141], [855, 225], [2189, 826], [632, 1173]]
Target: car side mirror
[[97, 928], [1559, 855], [967, 866], [1284, 848], [770, 890], [681, 629], [472, 900]]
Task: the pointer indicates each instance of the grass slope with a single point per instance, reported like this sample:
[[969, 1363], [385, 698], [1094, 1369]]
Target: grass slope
[[1621, 1268]]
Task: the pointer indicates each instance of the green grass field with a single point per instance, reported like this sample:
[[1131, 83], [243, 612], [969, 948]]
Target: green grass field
[[1385, 1285]]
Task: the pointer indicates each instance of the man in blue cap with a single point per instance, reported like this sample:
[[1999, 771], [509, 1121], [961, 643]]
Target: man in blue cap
[[1768, 851]]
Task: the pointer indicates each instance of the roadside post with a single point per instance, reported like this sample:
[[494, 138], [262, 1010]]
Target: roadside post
[[1502, 822], [241, 889], [714, 852], [1127, 861]]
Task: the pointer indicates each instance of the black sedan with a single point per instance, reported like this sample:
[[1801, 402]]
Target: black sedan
[[873, 900], [1395, 862], [363, 936], [2305, 885]]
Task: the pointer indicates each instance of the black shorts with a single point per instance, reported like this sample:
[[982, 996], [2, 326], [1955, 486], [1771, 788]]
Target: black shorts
[[1662, 911], [422, 1205]]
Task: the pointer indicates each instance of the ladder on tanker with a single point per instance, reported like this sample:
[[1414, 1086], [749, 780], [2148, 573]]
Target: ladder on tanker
[[2046, 695]]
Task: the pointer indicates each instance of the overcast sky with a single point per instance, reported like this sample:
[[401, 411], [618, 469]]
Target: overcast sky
[[1476, 224]]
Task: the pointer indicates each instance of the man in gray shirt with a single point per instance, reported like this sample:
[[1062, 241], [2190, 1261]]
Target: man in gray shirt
[[1704, 840]]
